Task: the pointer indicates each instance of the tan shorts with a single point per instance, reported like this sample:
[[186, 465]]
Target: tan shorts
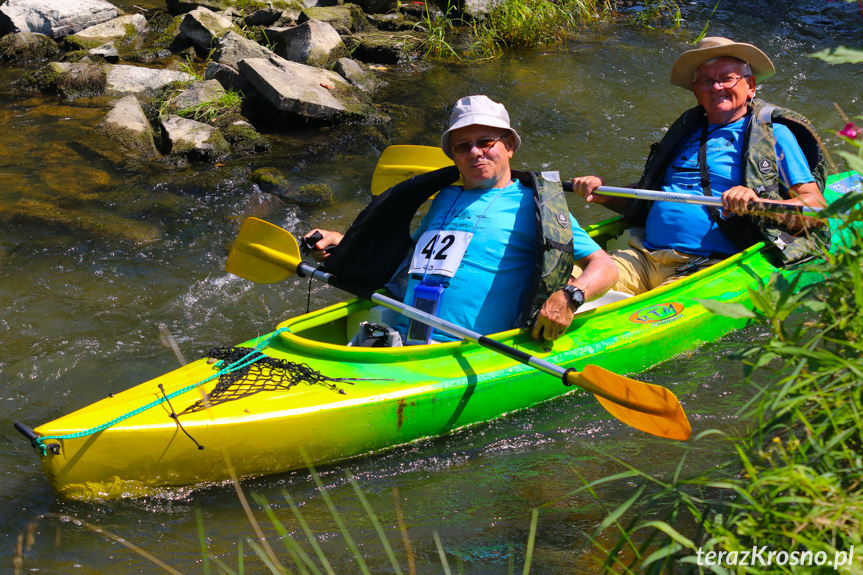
[[642, 270]]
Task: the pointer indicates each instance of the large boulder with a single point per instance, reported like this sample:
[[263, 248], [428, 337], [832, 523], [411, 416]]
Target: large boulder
[[303, 90], [193, 140], [54, 18], [314, 43], [134, 79], [127, 125]]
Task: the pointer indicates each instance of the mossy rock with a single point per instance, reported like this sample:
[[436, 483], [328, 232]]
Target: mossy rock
[[271, 181], [26, 47], [244, 139], [70, 80], [387, 47], [344, 18]]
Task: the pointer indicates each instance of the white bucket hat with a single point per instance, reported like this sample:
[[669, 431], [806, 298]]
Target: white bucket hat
[[477, 110], [714, 47]]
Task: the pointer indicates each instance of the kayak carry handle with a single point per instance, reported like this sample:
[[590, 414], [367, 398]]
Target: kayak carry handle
[[31, 435]]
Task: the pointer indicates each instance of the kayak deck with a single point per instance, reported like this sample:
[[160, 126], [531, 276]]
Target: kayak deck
[[381, 397]]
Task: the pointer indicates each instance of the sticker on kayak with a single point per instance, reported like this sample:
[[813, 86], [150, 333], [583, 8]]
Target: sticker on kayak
[[852, 183], [659, 313]]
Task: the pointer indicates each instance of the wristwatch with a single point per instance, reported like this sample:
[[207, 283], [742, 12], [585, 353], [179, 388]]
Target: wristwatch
[[574, 295]]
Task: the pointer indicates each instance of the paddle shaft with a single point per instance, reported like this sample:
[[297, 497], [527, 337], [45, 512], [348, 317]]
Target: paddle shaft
[[716, 202], [306, 270]]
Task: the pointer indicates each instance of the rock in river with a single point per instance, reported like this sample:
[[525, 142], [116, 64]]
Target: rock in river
[[54, 18]]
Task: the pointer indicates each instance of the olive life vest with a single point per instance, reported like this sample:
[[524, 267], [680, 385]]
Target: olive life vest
[[378, 241], [759, 171]]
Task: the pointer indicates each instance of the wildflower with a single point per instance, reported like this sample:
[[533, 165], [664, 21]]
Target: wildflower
[[850, 131]]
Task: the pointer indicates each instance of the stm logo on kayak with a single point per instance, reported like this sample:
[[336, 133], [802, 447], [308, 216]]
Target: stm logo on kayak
[[659, 313]]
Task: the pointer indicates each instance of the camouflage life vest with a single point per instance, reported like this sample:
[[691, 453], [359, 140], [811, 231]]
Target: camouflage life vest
[[760, 171], [379, 239]]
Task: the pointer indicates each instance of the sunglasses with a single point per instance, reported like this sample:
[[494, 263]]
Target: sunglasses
[[483, 145]]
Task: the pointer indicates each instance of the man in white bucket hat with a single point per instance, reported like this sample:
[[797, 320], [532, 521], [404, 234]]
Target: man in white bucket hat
[[730, 144], [478, 258]]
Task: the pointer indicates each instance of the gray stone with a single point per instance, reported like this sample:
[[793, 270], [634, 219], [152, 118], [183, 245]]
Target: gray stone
[[351, 71], [302, 90], [233, 47], [202, 27], [193, 140], [106, 51], [135, 79], [113, 29], [54, 18], [263, 17], [127, 124], [314, 42], [197, 94], [228, 77]]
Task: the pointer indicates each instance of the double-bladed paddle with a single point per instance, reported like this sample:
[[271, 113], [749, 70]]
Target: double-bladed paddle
[[398, 163], [265, 253]]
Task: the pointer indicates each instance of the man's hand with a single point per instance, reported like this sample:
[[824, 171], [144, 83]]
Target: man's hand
[[554, 317], [736, 201], [584, 186], [328, 239]]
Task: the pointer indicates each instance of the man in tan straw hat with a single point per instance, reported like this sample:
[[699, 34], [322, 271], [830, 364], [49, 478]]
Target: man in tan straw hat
[[478, 258], [732, 145]]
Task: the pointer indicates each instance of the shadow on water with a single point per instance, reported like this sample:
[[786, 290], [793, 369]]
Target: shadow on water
[[82, 302]]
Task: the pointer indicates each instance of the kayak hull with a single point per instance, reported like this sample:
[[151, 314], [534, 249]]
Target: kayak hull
[[383, 397]]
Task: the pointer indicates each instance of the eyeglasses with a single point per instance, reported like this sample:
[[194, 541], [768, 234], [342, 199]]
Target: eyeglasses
[[725, 82], [483, 145]]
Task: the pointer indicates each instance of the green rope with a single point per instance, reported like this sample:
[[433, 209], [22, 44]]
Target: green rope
[[39, 442]]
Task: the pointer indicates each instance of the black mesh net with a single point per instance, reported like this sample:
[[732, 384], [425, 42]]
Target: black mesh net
[[245, 374]]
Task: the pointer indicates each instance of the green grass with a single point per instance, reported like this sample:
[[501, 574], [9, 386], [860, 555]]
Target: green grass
[[513, 24]]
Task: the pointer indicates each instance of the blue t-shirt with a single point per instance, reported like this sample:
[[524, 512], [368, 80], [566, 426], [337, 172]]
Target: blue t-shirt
[[689, 228], [488, 290]]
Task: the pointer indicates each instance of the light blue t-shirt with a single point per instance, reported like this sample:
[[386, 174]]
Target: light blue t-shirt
[[488, 290], [689, 228]]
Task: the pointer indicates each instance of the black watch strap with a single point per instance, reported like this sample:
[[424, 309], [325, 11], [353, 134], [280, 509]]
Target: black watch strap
[[574, 296]]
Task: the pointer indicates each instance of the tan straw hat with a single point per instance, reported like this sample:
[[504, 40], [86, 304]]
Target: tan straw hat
[[711, 47], [477, 110]]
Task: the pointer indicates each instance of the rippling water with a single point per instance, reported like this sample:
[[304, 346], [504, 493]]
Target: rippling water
[[82, 303]]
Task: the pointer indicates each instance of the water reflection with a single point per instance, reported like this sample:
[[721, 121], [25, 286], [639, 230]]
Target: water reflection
[[82, 308]]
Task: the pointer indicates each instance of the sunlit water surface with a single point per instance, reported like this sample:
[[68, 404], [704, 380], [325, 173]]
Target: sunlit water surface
[[82, 305]]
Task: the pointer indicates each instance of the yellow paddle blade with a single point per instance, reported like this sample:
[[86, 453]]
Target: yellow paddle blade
[[400, 163], [649, 408], [263, 253]]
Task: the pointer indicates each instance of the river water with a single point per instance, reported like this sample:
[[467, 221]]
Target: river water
[[95, 256]]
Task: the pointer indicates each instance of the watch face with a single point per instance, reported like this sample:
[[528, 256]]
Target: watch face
[[574, 294]]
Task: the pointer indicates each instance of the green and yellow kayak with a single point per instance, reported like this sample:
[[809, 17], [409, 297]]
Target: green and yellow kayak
[[300, 395]]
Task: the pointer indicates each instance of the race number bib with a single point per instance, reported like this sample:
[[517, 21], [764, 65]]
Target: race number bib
[[440, 252]]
